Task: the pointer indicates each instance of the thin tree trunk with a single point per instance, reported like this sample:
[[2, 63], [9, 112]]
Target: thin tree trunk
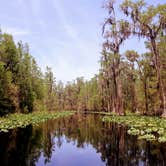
[[119, 97], [114, 94], [158, 71], [146, 97], [134, 99], [118, 91]]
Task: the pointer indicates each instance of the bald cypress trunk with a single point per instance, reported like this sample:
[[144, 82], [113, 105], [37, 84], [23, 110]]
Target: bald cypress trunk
[[158, 66]]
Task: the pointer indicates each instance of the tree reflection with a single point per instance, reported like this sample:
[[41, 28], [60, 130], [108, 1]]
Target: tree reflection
[[26, 146]]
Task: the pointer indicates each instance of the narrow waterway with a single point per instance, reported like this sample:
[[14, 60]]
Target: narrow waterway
[[78, 140]]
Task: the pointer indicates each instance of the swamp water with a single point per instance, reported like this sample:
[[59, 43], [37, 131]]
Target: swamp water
[[78, 140]]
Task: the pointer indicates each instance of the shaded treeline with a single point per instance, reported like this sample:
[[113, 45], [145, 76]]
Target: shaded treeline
[[126, 81], [23, 87]]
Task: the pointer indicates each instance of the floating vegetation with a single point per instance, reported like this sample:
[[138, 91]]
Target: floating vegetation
[[149, 128], [22, 120], [148, 137]]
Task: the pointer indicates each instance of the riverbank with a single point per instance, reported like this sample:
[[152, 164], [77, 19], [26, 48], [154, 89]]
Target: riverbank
[[22, 120]]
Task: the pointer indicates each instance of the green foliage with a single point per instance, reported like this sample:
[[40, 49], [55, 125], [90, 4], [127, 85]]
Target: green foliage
[[22, 120], [21, 80], [127, 82], [149, 128]]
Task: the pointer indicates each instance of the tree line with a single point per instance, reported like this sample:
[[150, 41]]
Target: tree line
[[23, 87], [126, 82]]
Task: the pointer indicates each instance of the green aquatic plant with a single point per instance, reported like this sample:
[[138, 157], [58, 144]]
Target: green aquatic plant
[[22, 120], [133, 131], [148, 137], [162, 138], [145, 127]]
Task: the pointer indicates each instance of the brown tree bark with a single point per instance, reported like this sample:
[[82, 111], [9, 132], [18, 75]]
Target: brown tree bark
[[157, 64], [146, 97]]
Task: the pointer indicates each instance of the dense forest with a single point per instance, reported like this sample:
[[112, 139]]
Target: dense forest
[[126, 82], [23, 87]]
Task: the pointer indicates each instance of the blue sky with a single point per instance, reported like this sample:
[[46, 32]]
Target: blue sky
[[63, 34]]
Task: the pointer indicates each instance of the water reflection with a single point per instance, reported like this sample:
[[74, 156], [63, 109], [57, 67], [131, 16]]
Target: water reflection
[[77, 140]]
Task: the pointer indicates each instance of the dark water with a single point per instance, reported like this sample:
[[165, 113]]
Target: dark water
[[79, 140]]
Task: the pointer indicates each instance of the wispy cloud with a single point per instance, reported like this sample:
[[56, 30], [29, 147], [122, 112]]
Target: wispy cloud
[[15, 31], [69, 29], [20, 2], [35, 6], [59, 33]]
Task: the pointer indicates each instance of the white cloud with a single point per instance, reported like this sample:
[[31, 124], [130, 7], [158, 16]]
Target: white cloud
[[15, 31], [70, 30], [59, 36]]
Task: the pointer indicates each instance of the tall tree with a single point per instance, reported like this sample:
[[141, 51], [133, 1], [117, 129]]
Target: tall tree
[[50, 99], [132, 57], [116, 33], [149, 21]]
